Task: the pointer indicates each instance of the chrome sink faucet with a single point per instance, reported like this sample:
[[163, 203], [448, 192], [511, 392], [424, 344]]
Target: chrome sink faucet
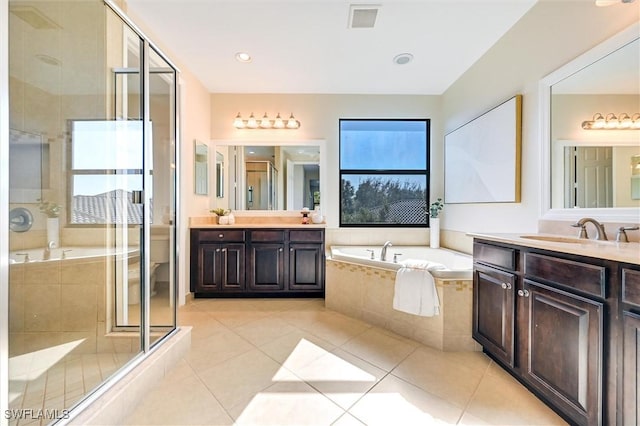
[[383, 253], [600, 232]]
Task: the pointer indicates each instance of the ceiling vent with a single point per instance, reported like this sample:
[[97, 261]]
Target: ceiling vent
[[363, 15], [34, 17]]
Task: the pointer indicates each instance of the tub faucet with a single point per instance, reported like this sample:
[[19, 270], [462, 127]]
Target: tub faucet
[[600, 232], [47, 250], [383, 253]]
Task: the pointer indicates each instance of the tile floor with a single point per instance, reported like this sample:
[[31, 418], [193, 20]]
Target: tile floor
[[293, 362]]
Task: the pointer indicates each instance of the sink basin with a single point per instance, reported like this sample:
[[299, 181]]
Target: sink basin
[[559, 239]]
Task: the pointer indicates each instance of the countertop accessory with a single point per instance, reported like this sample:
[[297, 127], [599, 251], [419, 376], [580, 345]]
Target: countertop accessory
[[621, 236]]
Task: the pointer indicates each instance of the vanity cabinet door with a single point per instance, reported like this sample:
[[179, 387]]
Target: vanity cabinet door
[[266, 267], [493, 311], [562, 336], [221, 268], [306, 267], [630, 363]]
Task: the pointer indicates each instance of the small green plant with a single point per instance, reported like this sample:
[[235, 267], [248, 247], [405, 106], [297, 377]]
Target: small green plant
[[49, 208], [220, 211], [435, 208]]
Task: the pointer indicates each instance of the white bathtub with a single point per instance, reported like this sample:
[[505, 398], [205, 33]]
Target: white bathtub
[[459, 266], [72, 252]]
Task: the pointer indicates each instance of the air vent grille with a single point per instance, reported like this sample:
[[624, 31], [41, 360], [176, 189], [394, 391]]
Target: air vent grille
[[363, 16]]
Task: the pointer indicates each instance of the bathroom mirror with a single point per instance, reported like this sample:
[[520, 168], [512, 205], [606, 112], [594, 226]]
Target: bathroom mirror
[[201, 168], [272, 175], [589, 172], [219, 175]]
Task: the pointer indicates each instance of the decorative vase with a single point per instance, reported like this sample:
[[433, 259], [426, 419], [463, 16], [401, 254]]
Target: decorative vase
[[232, 219], [53, 231], [434, 232], [223, 220]]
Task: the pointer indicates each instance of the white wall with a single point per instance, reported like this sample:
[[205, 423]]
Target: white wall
[[551, 34]]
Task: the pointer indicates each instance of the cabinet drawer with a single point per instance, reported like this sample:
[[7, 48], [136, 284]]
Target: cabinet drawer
[[315, 236], [584, 277], [631, 287], [232, 235], [267, 236], [499, 256]]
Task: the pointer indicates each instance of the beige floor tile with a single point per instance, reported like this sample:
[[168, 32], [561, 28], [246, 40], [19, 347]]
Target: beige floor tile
[[347, 420], [504, 401], [297, 349], [341, 377], [183, 402], [237, 318], [380, 349], [396, 402], [216, 348], [287, 403], [237, 380], [336, 328], [438, 373], [264, 330]]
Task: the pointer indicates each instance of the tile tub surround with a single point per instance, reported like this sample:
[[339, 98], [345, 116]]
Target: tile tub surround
[[366, 293]]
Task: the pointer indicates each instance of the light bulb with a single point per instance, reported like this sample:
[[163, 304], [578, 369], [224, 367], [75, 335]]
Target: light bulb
[[278, 123], [238, 123], [265, 123], [292, 123], [252, 123]]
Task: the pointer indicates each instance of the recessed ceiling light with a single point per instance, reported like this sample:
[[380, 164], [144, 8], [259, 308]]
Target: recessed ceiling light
[[403, 58], [243, 57]]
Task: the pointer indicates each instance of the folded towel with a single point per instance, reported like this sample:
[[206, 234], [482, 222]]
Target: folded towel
[[415, 289]]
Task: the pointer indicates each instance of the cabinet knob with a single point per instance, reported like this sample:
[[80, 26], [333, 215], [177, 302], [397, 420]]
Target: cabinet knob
[[291, 250], [280, 249], [217, 250], [506, 286], [224, 250], [220, 235], [523, 293]]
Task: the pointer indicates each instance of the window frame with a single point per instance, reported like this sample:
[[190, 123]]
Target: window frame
[[386, 172]]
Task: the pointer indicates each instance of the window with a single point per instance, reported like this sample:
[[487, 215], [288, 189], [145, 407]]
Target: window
[[106, 169], [384, 179]]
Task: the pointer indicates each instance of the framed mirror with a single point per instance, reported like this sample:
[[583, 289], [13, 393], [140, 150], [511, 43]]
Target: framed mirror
[[589, 172], [219, 175], [201, 168], [272, 175]]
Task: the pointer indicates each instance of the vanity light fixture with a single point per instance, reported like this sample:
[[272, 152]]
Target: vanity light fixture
[[265, 122], [611, 122]]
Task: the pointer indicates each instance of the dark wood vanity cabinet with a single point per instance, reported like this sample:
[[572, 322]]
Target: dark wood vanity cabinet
[[217, 261], [551, 320], [279, 262], [629, 388], [266, 261]]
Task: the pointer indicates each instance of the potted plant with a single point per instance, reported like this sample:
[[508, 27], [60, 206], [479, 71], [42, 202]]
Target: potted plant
[[434, 223], [220, 212]]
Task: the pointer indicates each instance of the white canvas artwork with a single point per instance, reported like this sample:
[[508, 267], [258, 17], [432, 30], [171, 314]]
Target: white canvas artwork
[[482, 158]]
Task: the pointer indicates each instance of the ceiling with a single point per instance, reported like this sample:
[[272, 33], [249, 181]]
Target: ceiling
[[305, 46]]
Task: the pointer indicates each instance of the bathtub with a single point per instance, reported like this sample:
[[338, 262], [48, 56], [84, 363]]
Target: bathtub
[[459, 266], [71, 252]]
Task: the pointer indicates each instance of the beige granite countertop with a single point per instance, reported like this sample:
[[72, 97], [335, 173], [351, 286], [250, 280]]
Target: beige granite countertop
[[611, 250], [254, 222]]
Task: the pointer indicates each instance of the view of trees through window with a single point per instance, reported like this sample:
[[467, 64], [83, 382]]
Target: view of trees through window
[[383, 172]]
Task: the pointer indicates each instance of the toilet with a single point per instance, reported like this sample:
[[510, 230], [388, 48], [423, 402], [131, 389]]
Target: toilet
[[159, 255]]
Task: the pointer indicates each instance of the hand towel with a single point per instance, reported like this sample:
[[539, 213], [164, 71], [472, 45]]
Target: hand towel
[[415, 288]]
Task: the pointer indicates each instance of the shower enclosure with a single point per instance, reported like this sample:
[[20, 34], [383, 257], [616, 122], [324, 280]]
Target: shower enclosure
[[92, 197]]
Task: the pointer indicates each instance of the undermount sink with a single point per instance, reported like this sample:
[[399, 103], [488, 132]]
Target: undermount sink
[[559, 239]]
